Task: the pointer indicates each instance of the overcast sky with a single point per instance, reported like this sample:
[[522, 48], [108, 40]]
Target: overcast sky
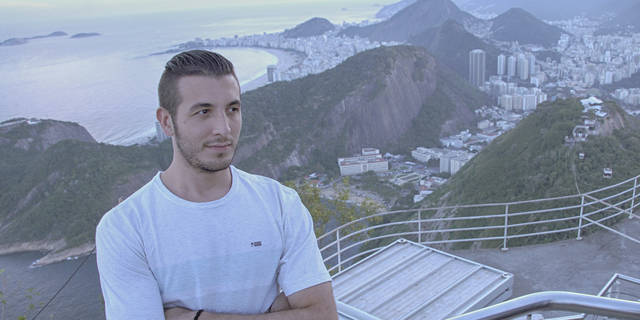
[[21, 11]]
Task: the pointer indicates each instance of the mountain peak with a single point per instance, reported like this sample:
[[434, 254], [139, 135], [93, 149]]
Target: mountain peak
[[412, 20], [517, 24], [312, 27]]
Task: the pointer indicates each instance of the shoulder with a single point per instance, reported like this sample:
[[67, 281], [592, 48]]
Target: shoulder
[[126, 214], [265, 184]]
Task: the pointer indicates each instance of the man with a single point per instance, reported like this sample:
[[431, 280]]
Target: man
[[204, 240]]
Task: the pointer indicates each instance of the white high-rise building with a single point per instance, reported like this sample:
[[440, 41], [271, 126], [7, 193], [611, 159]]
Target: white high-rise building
[[532, 63], [511, 66], [502, 60], [506, 102], [477, 67], [523, 67]]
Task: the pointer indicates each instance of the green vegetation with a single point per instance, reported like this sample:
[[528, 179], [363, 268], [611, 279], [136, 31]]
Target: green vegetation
[[303, 119], [296, 108], [532, 162], [63, 192]]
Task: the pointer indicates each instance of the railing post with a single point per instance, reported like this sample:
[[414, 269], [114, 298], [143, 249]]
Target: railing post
[[506, 226], [419, 227], [633, 197], [338, 243], [580, 221]]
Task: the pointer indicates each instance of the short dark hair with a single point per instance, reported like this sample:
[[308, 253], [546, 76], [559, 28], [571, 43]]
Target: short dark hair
[[189, 63]]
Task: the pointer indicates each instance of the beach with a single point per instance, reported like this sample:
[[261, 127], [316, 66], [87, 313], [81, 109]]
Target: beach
[[286, 60]]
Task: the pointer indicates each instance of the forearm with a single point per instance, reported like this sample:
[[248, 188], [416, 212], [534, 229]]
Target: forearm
[[295, 314], [309, 313]]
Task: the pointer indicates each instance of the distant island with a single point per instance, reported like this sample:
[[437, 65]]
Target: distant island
[[84, 35], [19, 41]]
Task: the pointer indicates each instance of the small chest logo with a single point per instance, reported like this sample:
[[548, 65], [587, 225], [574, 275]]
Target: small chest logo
[[256, 244]]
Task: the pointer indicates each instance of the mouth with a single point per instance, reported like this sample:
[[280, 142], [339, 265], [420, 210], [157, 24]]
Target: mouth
[[219, 146]]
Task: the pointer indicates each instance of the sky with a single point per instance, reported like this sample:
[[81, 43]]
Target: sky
[[24, 11]]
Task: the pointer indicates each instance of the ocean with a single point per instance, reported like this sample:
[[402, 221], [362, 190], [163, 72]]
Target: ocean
[[108, 85]]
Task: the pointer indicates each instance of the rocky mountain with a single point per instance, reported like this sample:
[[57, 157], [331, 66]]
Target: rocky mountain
[[389, 10], [312, 27], [450, 43], [519, 25], [57, 182], [546, 9], [392, 98], [413, 20], [39, 135]]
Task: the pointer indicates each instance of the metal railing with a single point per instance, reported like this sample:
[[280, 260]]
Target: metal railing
[[490, 224], [557, 301]]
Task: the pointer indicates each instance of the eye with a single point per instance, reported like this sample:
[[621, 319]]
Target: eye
[[203, 111]]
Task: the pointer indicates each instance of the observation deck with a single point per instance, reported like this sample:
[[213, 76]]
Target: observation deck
[[496, 236]]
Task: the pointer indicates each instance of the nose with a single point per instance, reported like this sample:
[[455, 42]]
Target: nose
[[220, 123]]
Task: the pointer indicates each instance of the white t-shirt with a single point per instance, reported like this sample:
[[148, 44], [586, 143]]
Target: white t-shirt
[[156, 250]]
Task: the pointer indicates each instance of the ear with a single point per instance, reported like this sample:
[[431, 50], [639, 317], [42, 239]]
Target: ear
[[164, 118]]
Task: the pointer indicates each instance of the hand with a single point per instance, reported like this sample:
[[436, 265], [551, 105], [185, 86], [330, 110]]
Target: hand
[[178, 313], [280, 304]]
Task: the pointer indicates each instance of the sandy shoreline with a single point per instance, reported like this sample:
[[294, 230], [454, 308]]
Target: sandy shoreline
[[50, 249], [286, 60]]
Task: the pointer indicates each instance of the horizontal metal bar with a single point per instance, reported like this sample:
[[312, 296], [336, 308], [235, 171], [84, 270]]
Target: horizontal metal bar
[[542, 221], [463, 229], [557, 300], [613, 186], [515, 236], [524, 213], [604, 219], [481, 206], [463, 240]]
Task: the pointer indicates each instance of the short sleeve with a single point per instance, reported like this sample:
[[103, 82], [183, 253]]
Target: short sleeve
[[301, 265], [129, 288]]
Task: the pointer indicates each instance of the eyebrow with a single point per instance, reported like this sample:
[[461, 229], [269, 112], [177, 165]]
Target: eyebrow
[[209, 105]]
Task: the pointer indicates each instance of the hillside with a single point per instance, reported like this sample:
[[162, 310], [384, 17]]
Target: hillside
[[57, 181], [309, 28], [531, 161], [392, 98], [546, 9], [413, 20], [389, 10], [519, 25], [450, 43]]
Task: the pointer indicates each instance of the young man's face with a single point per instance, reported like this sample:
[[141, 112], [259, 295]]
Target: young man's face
[[208, 121]]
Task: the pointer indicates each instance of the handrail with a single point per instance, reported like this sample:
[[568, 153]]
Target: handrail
[[557, 300], [557, 214]]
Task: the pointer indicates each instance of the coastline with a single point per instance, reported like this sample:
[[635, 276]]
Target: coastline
[[50, 249], [286, 60]]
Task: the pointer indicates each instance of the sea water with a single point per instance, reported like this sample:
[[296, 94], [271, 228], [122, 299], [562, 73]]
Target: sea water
[[108, 83]]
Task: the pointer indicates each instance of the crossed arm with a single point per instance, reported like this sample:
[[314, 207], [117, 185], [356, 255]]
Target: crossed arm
[[313, 303]]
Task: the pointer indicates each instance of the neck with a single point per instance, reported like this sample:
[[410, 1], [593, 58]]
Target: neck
[[196, 185]]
